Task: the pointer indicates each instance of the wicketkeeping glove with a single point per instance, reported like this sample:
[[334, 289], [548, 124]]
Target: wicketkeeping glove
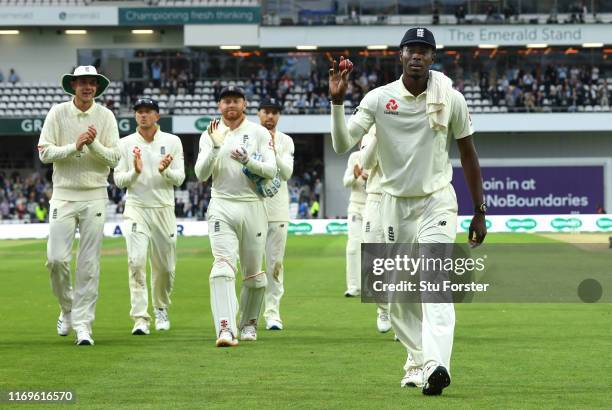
[[265, 187], [216, 135], [241, 155]]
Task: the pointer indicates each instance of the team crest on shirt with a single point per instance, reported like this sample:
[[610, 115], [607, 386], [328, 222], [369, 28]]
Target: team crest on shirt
[[392, 107]]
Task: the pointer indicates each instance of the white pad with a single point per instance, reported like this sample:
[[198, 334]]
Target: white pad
[[251, 297], [223, 300]]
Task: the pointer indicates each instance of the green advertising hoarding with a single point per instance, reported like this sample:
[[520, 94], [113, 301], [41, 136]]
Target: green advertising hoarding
[[33, 126], [178, 16]]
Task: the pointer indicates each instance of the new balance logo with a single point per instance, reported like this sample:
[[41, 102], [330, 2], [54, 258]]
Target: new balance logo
[[391, 234], [99, 214], [217, 226], [258, 234], [282, 225], [442, 223]]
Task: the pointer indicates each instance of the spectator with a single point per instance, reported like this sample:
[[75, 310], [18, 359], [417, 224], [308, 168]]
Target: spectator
[[314, 208], [41, 212], [156, 72], [303, 210], [460, 14], [1, 76], [5, 210], [435, 15], [13, 77], [508, 12]]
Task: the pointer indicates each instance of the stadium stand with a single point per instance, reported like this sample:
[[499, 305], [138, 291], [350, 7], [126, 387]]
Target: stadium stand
[[563, 88], [25, 195]]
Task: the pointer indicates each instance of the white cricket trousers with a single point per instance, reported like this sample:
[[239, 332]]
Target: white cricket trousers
[[353, 252], [425, 329], [373, 231], [275, 254], [237, 229], [64, 218], [150, 232]]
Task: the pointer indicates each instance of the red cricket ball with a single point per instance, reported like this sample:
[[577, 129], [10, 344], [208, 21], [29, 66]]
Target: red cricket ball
[[346, 64]]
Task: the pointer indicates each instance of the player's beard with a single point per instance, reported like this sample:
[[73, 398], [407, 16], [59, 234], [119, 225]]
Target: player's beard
[[232, 115]]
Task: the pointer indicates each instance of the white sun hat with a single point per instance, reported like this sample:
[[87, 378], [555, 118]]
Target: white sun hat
[[85, 71]]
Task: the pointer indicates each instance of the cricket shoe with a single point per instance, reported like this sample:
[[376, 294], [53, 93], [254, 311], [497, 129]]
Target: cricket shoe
[[438, 380], [413, 378], [162, 320], [352, 293], [273, 324], [248, 333], [226, 339], [83, 338], [64, 324], [383, 323], [141, 327]]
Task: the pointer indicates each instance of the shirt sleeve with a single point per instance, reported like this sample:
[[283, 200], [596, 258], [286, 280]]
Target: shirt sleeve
[[48, 150], [364, 115], [460, 124], [349, 176], [285, 160], [108, 152], [175, 172], [124, 174], [206, 158], [344, 136], [267, 166], [369, 155]]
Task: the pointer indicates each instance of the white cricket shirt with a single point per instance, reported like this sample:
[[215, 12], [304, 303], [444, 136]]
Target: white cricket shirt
[[357, 185], [150, 188], [228, 180], [369, 160], [79, 175], [277, 207], [413, 158]]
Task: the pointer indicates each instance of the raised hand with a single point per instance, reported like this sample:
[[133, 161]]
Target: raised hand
[[217, 136], [338, 83]]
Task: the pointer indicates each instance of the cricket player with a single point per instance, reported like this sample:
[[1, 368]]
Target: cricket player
[[277, 210], [355, 178], [151, 165], [372, 226], [230, 150], [416, 118], [80, 138]]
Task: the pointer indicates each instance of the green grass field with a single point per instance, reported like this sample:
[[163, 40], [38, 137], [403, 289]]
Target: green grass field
[[329, 355]]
